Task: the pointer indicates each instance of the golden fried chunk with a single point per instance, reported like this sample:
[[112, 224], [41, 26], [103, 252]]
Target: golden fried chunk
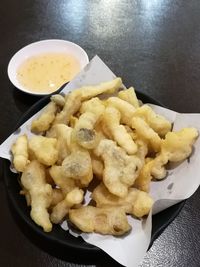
[[97, 166], [59, 100], [143, 180], [62, 133], [84, 131], [78, 166], [111, 120], [136, 203], [176, 146], [129, 95], [100, 220], [109, 87], [66, 184], [73, 100], [126, 109], [74, 197], [72, 121], [57, 196], [120, 169], [44, 149], [45, 120], [20, 153], [142, 149], [33, 180], [157, 122], [144, 131], [72, 105]]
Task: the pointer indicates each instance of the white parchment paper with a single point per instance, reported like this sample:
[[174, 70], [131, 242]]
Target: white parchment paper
[[181, 182]]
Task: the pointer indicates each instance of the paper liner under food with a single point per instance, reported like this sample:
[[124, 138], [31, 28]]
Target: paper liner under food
[[181, 182]]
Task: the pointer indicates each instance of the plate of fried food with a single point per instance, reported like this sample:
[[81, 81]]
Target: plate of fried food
[[88, 160]]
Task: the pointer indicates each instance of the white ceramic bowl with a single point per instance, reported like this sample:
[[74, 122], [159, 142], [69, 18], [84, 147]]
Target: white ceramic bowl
[[46, 46]]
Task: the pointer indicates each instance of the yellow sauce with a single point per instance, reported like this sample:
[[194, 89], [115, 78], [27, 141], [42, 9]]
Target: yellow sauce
[[47, 72]]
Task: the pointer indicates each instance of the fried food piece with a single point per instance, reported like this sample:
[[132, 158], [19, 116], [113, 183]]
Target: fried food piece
[[66, 184], [45, 119], [97, 166], [147, 133], [59, 100], [176, 146], [20, 153], [44, 149], [33, 180], [143, 180], [136, 203], [94, 105], [74, 197], [120, 169], [57, 196], [111, 119], [72, 105], [78, 166], [157, 122], [109, 87], [129, 95], [142, 150], [62, 133], [126, 109], [72, 121], [74, 99], [100, 220], [84, 131]]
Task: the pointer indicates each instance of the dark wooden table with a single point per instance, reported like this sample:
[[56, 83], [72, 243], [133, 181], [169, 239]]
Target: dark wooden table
[[155, 46]]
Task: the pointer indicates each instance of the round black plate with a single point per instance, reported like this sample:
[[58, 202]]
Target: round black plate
[[61, 243]]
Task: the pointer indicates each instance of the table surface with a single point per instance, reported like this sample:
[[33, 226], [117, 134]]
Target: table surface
[[155, 46]]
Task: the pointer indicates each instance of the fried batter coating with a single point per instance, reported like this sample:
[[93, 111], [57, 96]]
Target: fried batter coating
[[129, 95], [59, 100], [66, 184], [72, 105], [57, 196], [78, 166], [126, 109], [72, 121], [176, 146], [45, 120], [74, 99], [157, 122], [142, 150], [74, 197], [44, 149], [136, 203], [111, 120], [33, 180], [62, 133], [20, 153], [143, 180], [109, 87], [97, 166], [147, 133], [120, 170], [100, 220], [84, 129]]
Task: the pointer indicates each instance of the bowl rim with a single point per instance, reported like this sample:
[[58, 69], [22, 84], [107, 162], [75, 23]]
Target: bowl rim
[[11, 62]]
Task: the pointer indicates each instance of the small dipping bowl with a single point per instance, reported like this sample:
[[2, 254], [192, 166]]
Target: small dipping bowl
[[40, 48]]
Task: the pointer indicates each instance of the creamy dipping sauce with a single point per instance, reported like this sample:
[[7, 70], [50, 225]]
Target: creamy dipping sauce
[[47, 72]]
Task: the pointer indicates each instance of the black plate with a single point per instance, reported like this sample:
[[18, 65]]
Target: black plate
[[61, 243]]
